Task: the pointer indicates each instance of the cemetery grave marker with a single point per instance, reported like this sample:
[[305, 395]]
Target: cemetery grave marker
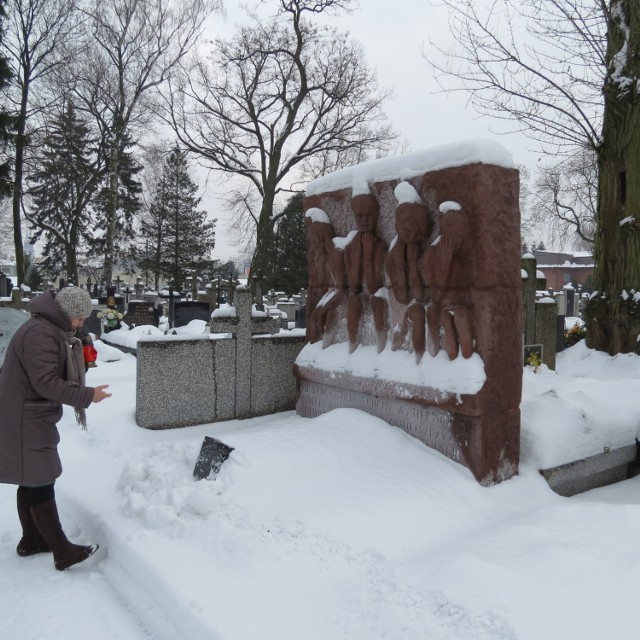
[[185, 312], [141, 313], [416, 260]]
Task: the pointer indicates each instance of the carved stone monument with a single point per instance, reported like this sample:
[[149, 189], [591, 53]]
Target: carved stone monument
[[414, 301]]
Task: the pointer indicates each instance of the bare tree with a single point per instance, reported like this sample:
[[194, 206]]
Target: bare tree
[[277, 95], [132, 46], [6, 227], [571, 84], [538, 64], [37, 43], [6, 118], [566, 196]]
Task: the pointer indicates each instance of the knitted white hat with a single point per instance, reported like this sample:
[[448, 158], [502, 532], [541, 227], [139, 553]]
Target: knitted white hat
[[75, 302]]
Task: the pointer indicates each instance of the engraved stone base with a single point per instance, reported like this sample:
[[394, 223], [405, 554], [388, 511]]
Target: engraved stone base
[[432, 426], [487, 444]]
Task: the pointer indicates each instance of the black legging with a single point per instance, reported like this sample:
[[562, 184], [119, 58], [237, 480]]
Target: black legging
[[38, 495]]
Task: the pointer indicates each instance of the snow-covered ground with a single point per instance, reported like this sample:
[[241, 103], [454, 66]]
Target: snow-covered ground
[[335, 528]]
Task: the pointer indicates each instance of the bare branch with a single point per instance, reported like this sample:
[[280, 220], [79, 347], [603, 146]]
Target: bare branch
[[539, 64], [274, 98]]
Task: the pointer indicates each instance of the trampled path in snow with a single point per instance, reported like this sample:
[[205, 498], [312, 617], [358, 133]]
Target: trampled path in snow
[[334, 528], [42, 603], [99, 601]]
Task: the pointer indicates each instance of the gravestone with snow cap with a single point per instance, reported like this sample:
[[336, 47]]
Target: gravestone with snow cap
[[414, 306], [245, 322]]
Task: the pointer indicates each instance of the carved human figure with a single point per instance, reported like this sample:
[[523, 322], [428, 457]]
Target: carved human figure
[[320, 233], [364, 262], [446, 267], [403, 266], [324, 317]]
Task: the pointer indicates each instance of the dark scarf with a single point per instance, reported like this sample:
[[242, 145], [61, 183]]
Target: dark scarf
[[74, 366], [75, 371]]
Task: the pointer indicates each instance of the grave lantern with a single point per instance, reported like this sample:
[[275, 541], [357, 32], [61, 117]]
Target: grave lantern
[[139, 287]]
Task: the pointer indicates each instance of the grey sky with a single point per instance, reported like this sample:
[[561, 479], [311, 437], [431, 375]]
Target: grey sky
[[394, 35]]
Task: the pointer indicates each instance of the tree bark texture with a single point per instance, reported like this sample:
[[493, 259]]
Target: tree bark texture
[[613, 315], [112, 210]]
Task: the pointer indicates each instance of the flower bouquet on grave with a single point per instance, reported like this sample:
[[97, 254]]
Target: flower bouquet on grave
[[110, 316]]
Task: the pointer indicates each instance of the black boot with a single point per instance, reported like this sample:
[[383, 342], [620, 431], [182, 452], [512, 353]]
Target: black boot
[[32, 542], [65, 554]]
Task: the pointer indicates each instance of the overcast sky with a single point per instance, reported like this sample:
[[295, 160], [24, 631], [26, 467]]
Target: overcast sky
[[394, 34]]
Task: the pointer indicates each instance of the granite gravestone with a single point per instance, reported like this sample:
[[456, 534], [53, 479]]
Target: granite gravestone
[[10, 321], [415, 260], [93, 324], [540, 317], [195, 380], [140, 312], [185, 312]]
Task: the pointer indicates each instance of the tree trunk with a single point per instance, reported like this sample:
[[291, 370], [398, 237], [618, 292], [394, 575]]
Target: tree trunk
[[612, 314], [72, 264], [112, 210], [263, 255], [18, 174]]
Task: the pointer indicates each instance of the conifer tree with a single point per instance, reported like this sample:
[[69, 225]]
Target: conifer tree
[[6, 120], [128, 205], [152, 227], [290, 254], [62, 191], [183, 234]]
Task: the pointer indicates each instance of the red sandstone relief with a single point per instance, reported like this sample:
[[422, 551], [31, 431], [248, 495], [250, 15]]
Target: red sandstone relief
[[424, 272], [403, 266], [447, 268], [364, 262], [328, 284], [428, 265]]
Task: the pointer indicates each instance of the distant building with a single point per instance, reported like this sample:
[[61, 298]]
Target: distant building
[[562, 268], [8, 267]]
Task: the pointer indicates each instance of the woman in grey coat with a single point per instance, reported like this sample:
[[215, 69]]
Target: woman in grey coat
[[43, 369]]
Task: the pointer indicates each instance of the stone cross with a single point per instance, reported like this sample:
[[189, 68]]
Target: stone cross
[[245, 324], [259, 279], [230, 288], [528, 265], [219, 292], [212, 295], [194, 286]]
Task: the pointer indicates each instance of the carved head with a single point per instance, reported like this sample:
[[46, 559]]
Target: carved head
[[413, 224], [365, 212], [455, 226], [321, 235], [320, 231]]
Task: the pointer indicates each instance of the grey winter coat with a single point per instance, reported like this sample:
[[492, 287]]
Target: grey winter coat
[[33, 388]]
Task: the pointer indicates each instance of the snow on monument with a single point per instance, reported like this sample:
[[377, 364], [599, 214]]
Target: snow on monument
[[414, 302]]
